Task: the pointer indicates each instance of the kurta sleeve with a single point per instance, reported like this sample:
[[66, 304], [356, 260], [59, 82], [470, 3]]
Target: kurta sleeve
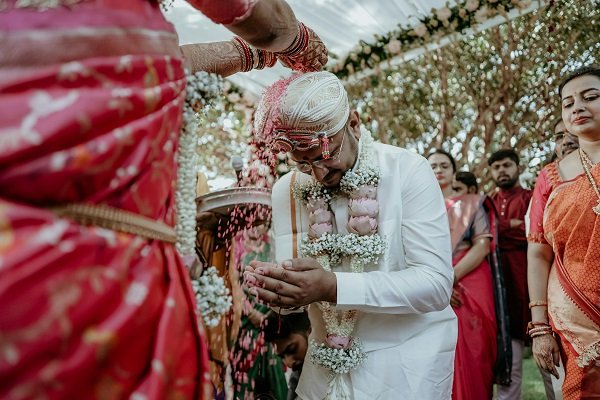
[[541, 193], [225, 11], [426, 282]]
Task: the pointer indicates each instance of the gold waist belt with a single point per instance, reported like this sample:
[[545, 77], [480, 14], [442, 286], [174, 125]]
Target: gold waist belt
[[117, 220]]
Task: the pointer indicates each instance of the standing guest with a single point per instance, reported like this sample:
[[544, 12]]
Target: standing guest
[[511, 201], [472, 231], [564, 247], [96, 302], [362, 236], [465, 182], [564, 142]]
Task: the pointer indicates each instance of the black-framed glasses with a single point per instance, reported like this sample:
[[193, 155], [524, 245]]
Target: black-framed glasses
[[324, 163]]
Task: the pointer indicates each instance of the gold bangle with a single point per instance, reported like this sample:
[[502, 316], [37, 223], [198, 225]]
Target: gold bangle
[[538, 303]]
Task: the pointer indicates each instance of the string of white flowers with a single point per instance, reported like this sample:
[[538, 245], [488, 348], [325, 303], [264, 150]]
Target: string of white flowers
[[363, 249], [212, 296], [201, 89], [341, 353]]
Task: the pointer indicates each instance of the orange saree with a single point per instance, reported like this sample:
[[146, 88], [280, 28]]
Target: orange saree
[[562, 217]]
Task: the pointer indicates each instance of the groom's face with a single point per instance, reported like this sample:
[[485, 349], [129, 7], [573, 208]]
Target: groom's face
[[343, 148]]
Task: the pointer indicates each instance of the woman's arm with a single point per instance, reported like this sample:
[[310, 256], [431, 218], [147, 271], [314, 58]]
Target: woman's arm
[[220, 58], [269, 25], [473, 258], [544, 348], [539, 259]]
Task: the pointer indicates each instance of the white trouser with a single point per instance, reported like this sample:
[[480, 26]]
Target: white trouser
[[552, 385], [513, 391]]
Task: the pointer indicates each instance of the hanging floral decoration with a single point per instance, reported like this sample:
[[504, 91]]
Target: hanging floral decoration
[[202, 89], [441, 22], [212, 296]]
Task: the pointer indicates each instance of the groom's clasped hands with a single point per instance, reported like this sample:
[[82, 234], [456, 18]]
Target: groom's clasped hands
[[293, 283]]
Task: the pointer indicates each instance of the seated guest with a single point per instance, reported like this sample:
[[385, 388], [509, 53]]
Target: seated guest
[[289, 334]]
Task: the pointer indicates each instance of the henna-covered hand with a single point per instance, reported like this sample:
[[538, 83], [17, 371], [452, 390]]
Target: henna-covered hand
[[546, 353], [294, 283], [312, 58]]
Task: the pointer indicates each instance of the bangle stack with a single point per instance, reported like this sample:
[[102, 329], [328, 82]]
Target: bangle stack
[[538, 303], [299, 45], [251, 57], [535, 329]]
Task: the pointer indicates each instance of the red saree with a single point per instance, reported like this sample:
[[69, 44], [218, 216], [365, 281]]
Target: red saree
[[91, 101], [562, 217], [476, 348]]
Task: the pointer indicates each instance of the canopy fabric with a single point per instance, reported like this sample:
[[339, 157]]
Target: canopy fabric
[[341, 24]]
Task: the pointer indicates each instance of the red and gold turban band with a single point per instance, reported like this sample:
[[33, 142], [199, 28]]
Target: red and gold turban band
[[302, 112]]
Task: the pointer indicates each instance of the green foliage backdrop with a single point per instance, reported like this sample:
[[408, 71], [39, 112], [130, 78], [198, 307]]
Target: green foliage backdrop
[[491, 90]]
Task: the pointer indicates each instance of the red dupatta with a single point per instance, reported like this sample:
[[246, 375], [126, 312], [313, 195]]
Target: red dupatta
[[461, 214]]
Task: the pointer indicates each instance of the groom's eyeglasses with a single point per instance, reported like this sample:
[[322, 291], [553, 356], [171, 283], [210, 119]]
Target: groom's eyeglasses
[[323, 163]]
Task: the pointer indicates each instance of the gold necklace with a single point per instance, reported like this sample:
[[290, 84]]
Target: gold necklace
[[587, 163]]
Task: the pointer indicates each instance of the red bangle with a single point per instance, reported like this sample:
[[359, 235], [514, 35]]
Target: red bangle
[[245, 52], [299, 44]]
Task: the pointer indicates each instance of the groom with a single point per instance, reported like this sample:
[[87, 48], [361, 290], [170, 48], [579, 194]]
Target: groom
[[373, 215]]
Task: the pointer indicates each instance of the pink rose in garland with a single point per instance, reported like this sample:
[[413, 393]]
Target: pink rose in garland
[[368, 191], [338, 342], [363, 206], [362, 225], [318, 230]]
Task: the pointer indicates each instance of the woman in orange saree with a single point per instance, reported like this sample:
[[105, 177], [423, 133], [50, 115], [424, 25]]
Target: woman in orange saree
[[473, 297], [91, 97], [564, 247]]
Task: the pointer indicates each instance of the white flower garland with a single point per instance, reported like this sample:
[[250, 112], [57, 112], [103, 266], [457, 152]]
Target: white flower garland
[[341, 353], [201, 89], [212, 296]]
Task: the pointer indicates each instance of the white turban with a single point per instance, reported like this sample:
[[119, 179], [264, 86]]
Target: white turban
[[301, 110]]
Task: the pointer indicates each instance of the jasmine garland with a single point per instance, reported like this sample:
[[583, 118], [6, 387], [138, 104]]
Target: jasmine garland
[[212, 296], [201, 89], [341, 353]]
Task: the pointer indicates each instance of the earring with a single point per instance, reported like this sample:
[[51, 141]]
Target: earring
[[325, 146]]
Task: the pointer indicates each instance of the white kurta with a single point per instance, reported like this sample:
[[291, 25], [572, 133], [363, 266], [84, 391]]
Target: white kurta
[[405, 322]]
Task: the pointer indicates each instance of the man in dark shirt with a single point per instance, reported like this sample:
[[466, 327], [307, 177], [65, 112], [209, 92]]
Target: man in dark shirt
[[511, 201]]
